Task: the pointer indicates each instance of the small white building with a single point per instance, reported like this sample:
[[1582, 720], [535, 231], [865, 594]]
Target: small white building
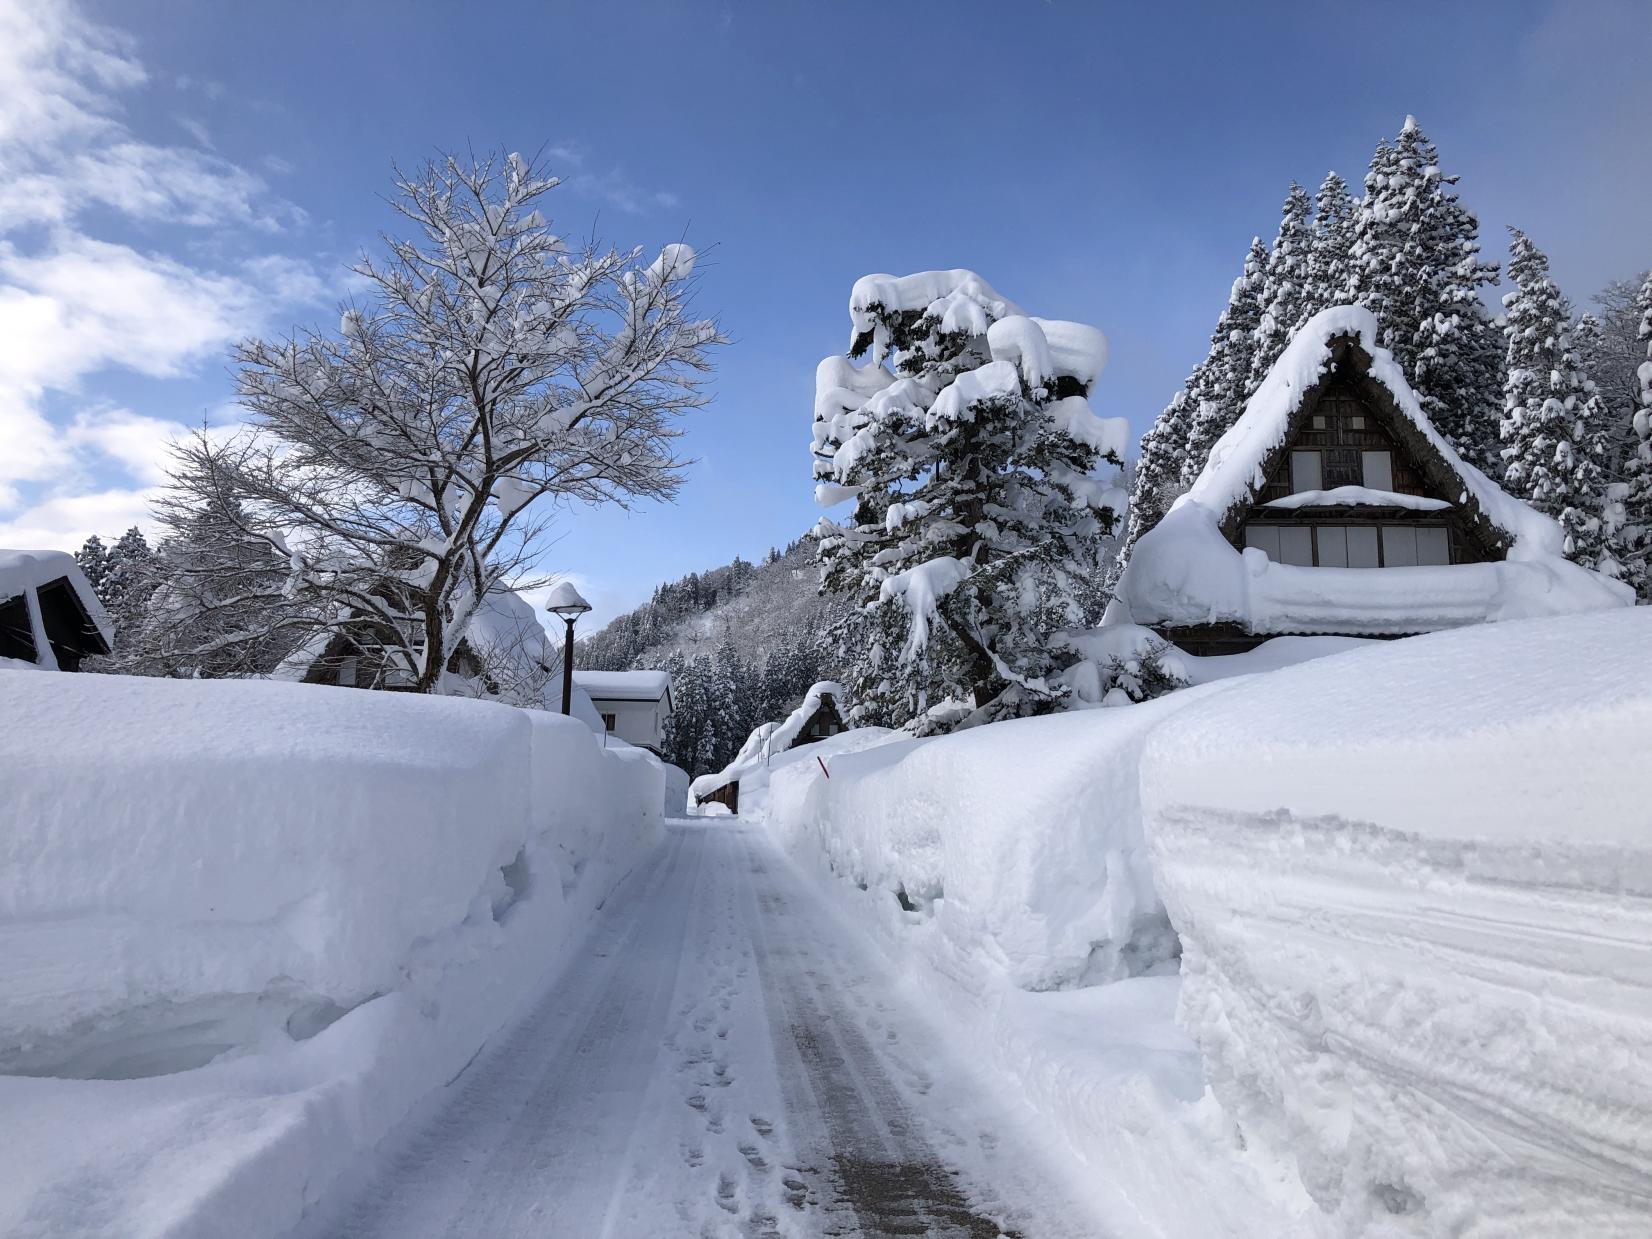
[[49, 616], [633, 704]]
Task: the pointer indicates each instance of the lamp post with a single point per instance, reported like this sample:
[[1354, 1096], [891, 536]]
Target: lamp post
[[566, 602]]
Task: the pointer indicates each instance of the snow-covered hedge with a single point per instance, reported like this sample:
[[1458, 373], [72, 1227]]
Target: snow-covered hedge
[[1414, 887], [334, 897]]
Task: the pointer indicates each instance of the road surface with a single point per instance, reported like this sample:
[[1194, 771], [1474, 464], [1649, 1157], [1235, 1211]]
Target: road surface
[[726, 1057]]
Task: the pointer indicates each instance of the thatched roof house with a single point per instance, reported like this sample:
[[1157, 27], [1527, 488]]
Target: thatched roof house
[[1334, 507]]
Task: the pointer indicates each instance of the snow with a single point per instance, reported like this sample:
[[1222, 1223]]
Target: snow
[[1414, 888], [1358, 496], [1184, 572], [624, 685], [959, 299], [1005, 874], [308, 909], [770, 744], [997, 380], [920, 588]]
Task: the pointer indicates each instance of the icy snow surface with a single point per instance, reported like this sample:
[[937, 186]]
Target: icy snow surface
[[1414, 888], [246, 926]]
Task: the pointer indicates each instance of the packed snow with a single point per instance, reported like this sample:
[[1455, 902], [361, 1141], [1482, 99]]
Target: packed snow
[[245, 927], [1413, 884]]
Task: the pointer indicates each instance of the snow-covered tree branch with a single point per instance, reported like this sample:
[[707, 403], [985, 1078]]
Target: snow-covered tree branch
[[402, 465]]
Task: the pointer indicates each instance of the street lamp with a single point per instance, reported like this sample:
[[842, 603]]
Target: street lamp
[[566, 602]]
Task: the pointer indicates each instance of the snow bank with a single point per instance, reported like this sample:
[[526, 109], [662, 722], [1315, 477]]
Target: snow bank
[[1023, 840], [246, 926], [1414, 887], [1004, 871]]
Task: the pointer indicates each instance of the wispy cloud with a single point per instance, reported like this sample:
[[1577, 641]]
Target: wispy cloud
[[612, 185], [74, 303]]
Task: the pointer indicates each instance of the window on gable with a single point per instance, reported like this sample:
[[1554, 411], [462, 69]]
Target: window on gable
[[1306, 473], [1378, 470]]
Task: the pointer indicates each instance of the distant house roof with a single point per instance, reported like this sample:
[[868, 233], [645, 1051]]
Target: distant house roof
[[1188, 570], [79, 627], [626, 685]]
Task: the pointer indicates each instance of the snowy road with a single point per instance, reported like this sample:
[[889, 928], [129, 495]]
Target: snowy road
[[727, 1057]]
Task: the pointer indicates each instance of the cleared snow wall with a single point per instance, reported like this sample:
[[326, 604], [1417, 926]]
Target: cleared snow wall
[[1023, 839], [1414, 889], [247, 927]]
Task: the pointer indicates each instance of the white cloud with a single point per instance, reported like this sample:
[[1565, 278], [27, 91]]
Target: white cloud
[[74, 305], [569, 161]]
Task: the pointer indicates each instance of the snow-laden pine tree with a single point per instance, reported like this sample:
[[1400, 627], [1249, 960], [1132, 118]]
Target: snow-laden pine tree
[[1220, 384], [398, 464], [1637, 502], [1416, 266], [1330, 253], [93, 559], [1553, 421], [968, 446], [1284, 293], [1157, 479], [129, 579]]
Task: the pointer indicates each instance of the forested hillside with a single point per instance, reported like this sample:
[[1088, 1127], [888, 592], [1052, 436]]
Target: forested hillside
[[743, 643]]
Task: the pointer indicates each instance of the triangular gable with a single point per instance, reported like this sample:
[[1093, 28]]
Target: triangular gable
[[1340, 343]]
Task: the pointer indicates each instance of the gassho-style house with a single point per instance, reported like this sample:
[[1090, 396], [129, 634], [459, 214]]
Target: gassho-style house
[[1333, 506]]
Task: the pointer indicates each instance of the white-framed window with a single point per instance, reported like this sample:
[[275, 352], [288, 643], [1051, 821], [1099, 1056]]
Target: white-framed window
[[1378, 470]]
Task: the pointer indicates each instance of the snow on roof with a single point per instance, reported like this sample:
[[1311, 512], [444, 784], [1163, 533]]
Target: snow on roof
[[1357, 497], [770, 738], [624, 685], [1184, 571], [21, 571]]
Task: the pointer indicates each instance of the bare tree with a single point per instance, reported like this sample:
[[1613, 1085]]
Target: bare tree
[[399, 466]]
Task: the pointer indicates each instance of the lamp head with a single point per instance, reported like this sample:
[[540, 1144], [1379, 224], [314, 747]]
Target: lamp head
[[565, 602]]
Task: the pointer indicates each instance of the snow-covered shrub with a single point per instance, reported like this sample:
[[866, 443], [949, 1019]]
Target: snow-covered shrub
[[1411, 883], [1122, 663]]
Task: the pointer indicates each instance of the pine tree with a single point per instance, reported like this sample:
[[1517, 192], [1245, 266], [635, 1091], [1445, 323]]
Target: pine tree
[[1637, 502], [1220, 384], [972, 464], [1330, 253], [1416, 266], [1283, 296], [1553, 421], [129, 580], [93, 559]]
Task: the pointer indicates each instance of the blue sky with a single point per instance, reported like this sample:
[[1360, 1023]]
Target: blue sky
[[174, 175]]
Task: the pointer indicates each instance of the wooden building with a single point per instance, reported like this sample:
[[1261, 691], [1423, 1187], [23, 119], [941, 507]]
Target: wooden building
[[816, 718], [49, 616], [1334, 468]]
